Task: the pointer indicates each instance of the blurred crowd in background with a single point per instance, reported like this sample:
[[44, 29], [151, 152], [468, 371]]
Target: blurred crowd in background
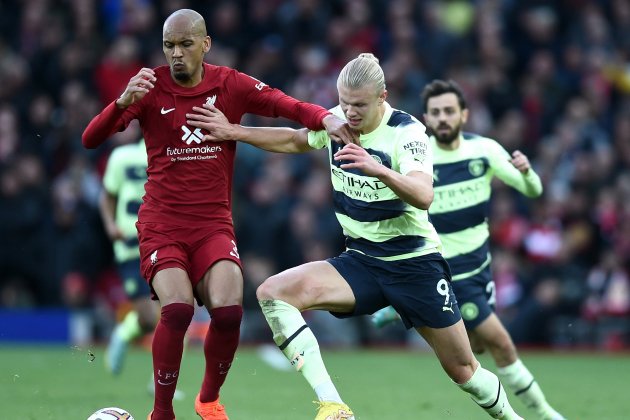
[[550, 78]]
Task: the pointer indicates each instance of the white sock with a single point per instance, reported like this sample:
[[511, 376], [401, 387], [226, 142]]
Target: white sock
[[486, 390], [326, 391], [518, 379], [299, 345]]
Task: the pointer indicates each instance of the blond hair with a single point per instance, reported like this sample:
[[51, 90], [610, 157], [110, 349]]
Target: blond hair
[[361, 71]]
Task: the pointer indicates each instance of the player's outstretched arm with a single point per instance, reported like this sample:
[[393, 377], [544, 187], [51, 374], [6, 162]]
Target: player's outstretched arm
[[273, 139]]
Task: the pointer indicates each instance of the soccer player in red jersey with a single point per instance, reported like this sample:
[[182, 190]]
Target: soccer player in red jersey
[[187, 245]]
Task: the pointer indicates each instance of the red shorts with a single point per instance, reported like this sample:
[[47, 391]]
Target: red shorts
[[193, 249]]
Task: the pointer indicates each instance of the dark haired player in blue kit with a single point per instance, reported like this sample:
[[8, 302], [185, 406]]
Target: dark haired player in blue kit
[[463, 168]]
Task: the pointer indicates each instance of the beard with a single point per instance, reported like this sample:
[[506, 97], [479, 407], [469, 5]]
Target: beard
[[447, 137], [181, 76]]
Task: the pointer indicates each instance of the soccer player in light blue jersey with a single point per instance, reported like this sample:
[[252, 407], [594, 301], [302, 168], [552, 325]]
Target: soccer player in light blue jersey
[[381, 191], [463, 168]]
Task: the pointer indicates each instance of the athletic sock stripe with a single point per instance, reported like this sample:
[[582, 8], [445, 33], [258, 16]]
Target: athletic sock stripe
[[495, 401], [295, 334], [520, 391]]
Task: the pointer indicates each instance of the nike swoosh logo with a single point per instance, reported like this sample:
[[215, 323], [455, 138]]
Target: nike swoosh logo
[[166, 111]]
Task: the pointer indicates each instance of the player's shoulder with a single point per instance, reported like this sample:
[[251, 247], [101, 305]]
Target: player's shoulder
[[227, 73], [472, 137], [480, 142], [403, 127], [234, 78], [401, 119], [482, 145], [220, 71]]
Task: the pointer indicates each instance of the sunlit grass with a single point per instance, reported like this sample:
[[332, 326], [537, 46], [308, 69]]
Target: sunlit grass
[[64, 383]]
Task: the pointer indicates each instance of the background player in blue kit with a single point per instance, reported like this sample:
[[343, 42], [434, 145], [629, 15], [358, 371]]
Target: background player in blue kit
[[463, 168], [381, 195]]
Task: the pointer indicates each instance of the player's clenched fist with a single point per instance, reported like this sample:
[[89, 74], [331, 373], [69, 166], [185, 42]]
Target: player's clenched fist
[[138, 86], [520, 161]]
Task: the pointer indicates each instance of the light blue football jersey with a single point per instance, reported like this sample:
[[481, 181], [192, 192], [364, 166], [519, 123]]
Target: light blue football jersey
[[125, 176], [375, 221], [462, 187]]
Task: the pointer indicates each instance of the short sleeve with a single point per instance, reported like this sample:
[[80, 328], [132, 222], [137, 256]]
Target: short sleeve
[[318, 139], [413, 150]]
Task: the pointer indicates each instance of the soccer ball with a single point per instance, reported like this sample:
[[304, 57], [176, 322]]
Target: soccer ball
[[111, 413]]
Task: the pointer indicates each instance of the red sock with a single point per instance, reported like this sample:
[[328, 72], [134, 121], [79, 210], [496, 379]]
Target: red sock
[[167, 348], [219, 348]]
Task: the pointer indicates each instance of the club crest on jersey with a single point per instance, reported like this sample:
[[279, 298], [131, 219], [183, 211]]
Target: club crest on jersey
[[210, 100], [190, 136], [377, 158], [476, 167]]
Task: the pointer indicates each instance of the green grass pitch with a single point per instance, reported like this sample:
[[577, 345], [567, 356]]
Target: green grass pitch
[[65, 383]]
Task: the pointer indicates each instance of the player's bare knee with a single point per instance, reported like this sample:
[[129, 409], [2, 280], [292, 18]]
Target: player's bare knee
[[460, 374], [269, 289]]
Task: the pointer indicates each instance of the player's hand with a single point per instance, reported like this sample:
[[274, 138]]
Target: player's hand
[[138, 86], [211, 119], [339, 131], [113, 232], [520, 161], [357, 157]]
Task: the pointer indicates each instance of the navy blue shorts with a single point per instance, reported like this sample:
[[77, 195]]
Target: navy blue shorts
[[134, 284], [476, 297], [418, 288]]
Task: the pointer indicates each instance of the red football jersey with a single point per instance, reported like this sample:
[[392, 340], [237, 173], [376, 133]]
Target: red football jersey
[[190, 180]]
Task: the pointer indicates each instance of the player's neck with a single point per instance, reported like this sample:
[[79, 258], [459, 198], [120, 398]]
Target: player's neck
[[454, 145], [194, 80]]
